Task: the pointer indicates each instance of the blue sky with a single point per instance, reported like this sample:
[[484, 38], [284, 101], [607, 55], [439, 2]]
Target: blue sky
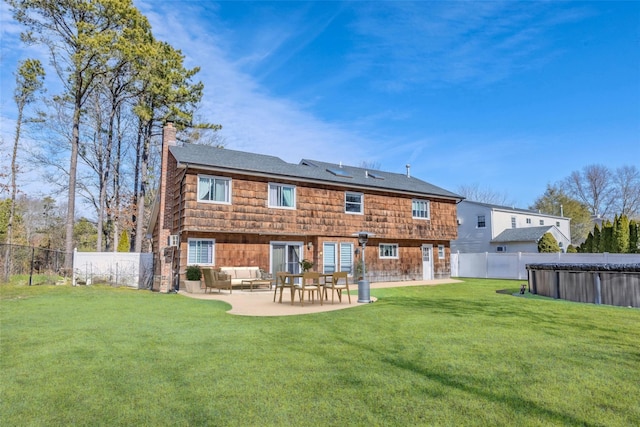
[[509, 96]]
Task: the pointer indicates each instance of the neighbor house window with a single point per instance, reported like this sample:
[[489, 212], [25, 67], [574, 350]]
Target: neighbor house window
[[481, 221], [513, 222], [388, 250], [441, 251], [528, 220], [420, 209], [201, 252], [353, 203], [282, 196], [557, 223], [214, 189], [501, 249], [542, 222]]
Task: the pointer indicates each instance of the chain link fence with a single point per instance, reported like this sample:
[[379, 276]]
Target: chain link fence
[[20, 260]]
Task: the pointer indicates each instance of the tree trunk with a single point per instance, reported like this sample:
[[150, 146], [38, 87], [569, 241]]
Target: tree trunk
[[73, 168]]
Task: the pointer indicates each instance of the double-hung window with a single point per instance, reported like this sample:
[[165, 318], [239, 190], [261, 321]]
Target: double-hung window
[[481, 221], [282, 196], [353, 203], [440, 251], [388, 250], [201, 252], [214, 189], [420, 209]]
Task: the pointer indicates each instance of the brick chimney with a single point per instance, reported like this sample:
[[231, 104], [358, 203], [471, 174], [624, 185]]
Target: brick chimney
[[165, 213]]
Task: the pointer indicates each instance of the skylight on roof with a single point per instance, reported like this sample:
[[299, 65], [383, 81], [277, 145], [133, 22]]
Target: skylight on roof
[[340, 172], [374, 175]]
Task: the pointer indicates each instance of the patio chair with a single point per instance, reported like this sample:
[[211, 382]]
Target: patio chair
[[311, 284], [282, 281], [337, 286]]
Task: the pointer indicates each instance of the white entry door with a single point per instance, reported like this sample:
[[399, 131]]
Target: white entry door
[[427, 262]]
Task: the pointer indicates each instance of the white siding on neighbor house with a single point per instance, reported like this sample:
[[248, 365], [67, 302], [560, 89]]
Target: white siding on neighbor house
[[472, 239], [514, 265]]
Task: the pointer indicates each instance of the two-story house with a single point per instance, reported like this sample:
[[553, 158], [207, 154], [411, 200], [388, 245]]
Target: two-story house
[[483, 227], [221, 207]]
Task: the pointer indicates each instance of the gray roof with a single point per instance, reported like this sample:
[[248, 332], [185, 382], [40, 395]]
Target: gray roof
[[511, 208], [527, 234], [222, 159]]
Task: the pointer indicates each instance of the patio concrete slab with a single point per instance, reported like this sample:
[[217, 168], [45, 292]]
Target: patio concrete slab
[[260, 301]]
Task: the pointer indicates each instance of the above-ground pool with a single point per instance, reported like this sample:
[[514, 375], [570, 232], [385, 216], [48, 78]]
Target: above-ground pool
[[611, 284]]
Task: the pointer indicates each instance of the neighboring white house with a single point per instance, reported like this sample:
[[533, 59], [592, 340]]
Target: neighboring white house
[[491, 228]]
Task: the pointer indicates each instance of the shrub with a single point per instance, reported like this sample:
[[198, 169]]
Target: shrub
[[194, 272], [548, 244]]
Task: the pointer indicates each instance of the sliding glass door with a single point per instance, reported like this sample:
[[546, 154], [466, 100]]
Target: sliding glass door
[[286, 256]]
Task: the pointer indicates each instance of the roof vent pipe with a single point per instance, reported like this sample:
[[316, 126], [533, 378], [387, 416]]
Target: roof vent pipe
[[408, 170], [366, 174], [340, 165]]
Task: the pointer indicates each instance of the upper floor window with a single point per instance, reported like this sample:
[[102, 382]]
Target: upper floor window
[[542, 222], [557, 223], [388, 250], [481, 221], [353, 203], [513, 222], [420, 209], [214, 189], [282, 196], [440, 251], [201, 251], [528, 220]]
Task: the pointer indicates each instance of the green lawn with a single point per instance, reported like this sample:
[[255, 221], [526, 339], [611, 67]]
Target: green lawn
[[455, 355]]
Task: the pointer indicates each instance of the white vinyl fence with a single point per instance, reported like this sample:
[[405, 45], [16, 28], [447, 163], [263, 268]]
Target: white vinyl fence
[[134, 270], [513, 266]]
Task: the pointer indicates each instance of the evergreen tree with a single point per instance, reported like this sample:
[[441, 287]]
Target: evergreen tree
[[123, 244], [621, 235], [597, 237], [634, 229], [548, 244], [587, 245], [606, 238], [571, 249]]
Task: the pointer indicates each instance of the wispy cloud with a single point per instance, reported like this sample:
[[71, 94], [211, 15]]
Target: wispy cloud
[[252, 119], [454, 42]]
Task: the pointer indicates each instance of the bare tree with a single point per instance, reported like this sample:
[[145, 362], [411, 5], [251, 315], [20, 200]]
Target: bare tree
[[484, 195], [592, 186], [626, 181]]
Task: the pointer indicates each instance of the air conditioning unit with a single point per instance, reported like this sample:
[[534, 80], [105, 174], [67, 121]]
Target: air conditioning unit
[[174, 240]]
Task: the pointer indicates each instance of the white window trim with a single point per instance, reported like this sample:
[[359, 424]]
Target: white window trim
[[441, 252], [213, 251], [478, 221], [388, 257], [214, 201], [346, 193], [295, 196], [428, 204]]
